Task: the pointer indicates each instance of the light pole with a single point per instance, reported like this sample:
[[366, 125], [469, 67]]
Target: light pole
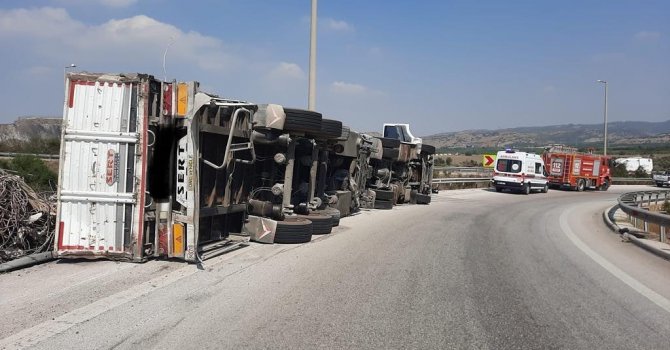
[[311, 95], [605, 131], [70, 66]]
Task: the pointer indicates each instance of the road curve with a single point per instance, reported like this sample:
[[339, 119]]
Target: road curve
[[474, 269]]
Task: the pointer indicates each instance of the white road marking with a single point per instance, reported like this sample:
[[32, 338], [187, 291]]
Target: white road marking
[[38, 333], [615, 271]]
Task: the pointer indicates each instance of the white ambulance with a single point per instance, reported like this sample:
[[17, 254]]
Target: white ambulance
[[519, 171]]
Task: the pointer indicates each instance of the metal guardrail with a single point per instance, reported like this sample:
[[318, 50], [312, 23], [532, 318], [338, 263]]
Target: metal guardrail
[[636, 205], [449, 180], [38, 155], [464, 169]]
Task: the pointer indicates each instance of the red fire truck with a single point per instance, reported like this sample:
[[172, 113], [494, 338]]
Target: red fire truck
[[569, 169]]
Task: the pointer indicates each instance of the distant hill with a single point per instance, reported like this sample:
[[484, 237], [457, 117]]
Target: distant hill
[[618, 133], [30, 128]]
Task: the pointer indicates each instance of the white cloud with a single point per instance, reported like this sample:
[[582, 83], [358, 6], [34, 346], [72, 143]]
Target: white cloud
[[352, 89], [647, 36], [337, 25], [46, 22], [53, 33], [285, 70], [44, 40]]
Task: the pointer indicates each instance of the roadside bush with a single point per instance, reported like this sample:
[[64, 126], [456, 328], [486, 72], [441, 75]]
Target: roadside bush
[[619, 170], [36, 146], [666, 206], [36, 174]]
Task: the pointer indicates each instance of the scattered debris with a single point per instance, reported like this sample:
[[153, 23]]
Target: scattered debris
[[26, 219]]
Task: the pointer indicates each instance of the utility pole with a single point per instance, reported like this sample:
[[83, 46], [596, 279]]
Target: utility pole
[[311, 96], [605, 128]]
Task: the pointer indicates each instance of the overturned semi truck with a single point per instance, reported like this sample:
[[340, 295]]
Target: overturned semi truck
[[162, 169]]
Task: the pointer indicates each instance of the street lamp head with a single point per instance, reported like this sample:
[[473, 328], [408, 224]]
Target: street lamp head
[[71, 65], [601, 81]]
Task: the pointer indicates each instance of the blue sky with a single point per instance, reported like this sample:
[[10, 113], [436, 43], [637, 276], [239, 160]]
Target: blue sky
[[438, 65]]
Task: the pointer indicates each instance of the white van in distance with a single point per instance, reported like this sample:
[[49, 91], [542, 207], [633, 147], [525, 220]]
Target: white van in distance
[[519, 171]]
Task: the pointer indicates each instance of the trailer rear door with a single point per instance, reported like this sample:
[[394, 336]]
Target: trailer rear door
[[103, 161]]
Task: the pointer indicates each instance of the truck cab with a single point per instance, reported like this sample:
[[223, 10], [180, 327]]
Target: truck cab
[[519, 171]]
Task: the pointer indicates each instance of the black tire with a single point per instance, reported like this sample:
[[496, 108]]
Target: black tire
[[526, 189], [412, 196], [321, 223], [333, 213], [336, 218], [345, 133], [380, 204], [659, 184], [606, 185], [422, 198], [427, 149], [293, 231], [330, 129], [545, 189], [302, 120], [389, 143], [498, 189], [580, 185], [390, 153], [385, 195]]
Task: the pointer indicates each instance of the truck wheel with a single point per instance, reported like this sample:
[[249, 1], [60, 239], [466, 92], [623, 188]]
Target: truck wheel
[[545, 189], [605, 186], [330, 129], [293, 230], [658, 184], [334, 214], [580, 185], [385, 195], [302, 120], [526, 189], [422, 198], [321, 223], [345, 133], [382, 204], [412, 196]]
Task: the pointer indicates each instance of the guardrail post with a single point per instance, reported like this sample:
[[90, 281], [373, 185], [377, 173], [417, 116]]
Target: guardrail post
[[663, 237]]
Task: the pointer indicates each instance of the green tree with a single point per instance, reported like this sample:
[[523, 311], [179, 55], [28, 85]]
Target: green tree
[[619, 170]]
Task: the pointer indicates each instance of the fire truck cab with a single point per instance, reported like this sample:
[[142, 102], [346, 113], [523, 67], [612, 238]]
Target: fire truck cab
[[519, 171]]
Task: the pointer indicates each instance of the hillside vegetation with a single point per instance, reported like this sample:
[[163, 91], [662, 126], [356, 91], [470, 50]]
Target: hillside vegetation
[[580, 135]]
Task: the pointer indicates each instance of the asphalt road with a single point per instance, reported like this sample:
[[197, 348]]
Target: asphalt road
[[475, 269]]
